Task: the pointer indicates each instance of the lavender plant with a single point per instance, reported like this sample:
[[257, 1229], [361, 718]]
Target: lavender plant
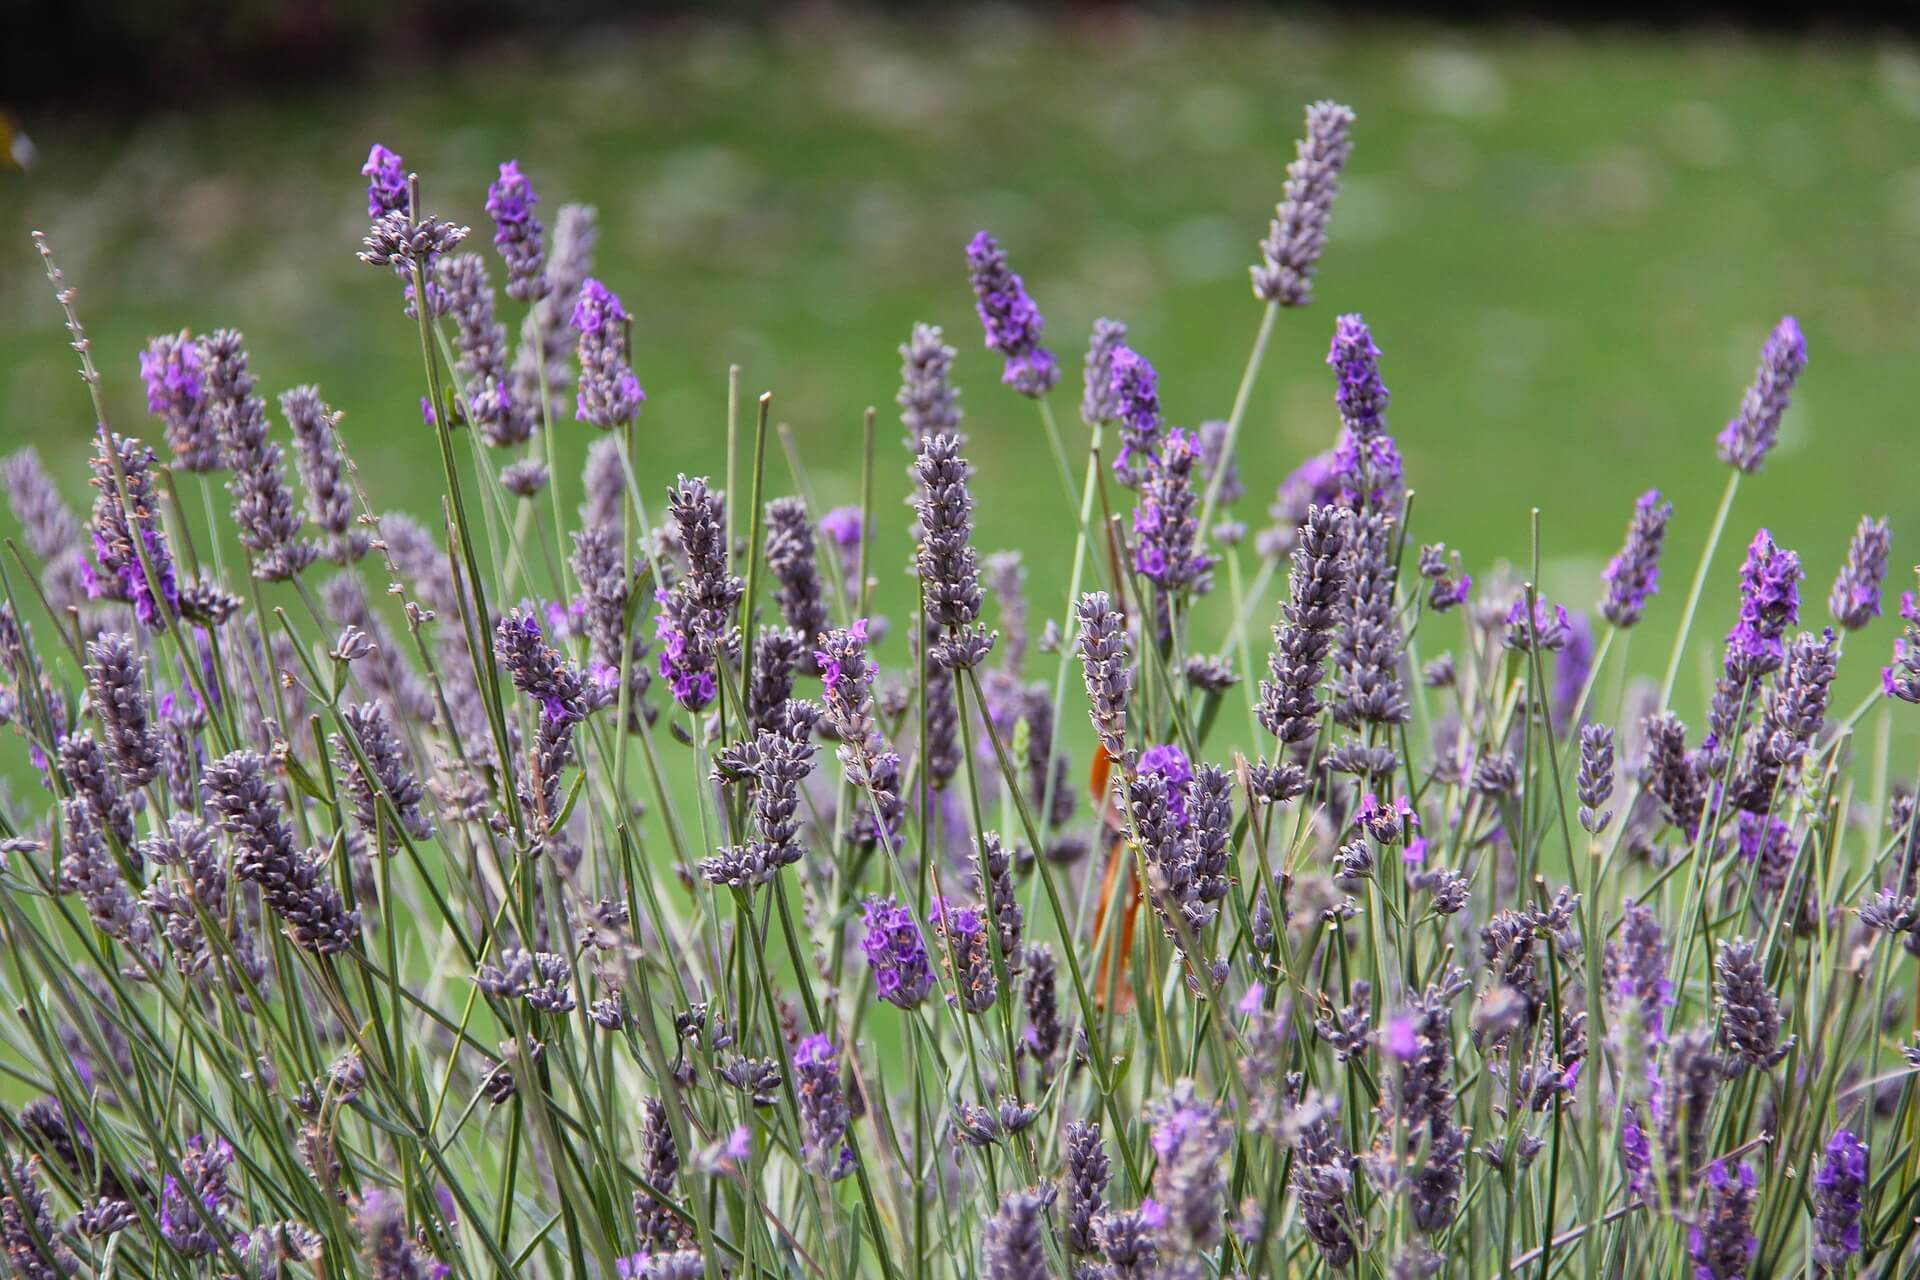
[[383, 916]]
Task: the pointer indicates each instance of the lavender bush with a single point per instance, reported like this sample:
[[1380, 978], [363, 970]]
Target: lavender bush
[[626, 900]]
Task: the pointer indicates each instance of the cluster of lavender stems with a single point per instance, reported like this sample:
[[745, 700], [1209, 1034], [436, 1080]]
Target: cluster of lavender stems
[[504, 893]]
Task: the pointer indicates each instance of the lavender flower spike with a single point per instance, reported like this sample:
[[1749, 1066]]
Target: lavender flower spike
[[1088, 1174], [118, 691], [1134, 397], [1749, 1011], [323, 472], [517, 232], [1097, 403], [609, 395], [1837, 1189], [1366, 464], [1011, 321], [1855, 599], [1633, 576], [1104, 652], [897, 953], [823, 1107], [1722, 1244], [172, 368], [1016, 1237], [1317, 586], [294, 884], [948, 565], [1902, 679], [1294, 242], [128, 540], [928, 403], [1745, 442], [1166, 528], [792, 559], [386, 175], [263, 510]]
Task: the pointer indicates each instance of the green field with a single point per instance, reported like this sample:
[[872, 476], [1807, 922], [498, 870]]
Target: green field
[[1569, 244]]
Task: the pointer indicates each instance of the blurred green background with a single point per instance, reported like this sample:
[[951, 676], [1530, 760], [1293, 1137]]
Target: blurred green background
[[1570, 245]]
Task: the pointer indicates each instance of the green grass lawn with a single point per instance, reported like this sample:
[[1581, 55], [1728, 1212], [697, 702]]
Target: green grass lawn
[[1570, 246]]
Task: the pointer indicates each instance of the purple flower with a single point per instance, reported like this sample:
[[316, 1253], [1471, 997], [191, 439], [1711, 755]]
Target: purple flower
[[1366, 464], [1571, 667], [1169, 762], [1837, 1188], [609, 394], [1192, 1142], [823, 1107], [1769, 604], [117, 571], [842, 524], [1011, 321], [1294, 242], [946, 561], [1401, 1038], [1855, 599], [1165, 527], [1745, 441], [1722, 1243], [1134, 389], [1902, 679], [1633, 576], [968, 954], [1105, 649], [1097, 402], [386, 176], [517, 232], [174, 371], [896, 952], [928, 403], [1549, 629]]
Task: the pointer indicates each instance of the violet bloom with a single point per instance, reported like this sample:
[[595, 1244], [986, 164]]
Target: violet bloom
[[1191, 1143], [1309, 485], [968, 953], [1011, 321], [1746, 440], [1855, 599], [1290, 704], [1165, 528], [823, 1107], [1105, 653], [928, 403], [1294, 242], [517, 232], [1098, 405], [609, 394], [1722, 1243], [1837, 1189], [1571, 667], [1633, 576], [1902, 679], [947, 564], [264, 515], [174, 371], [1769, 604], [1548, 629], [386, 175], [1366, 464], [843, 525], [1367, 686], [131, 560], [1170, 763], [295, 885], [1135, 391], [193, 1205], [897, 953], [1637, 963]]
